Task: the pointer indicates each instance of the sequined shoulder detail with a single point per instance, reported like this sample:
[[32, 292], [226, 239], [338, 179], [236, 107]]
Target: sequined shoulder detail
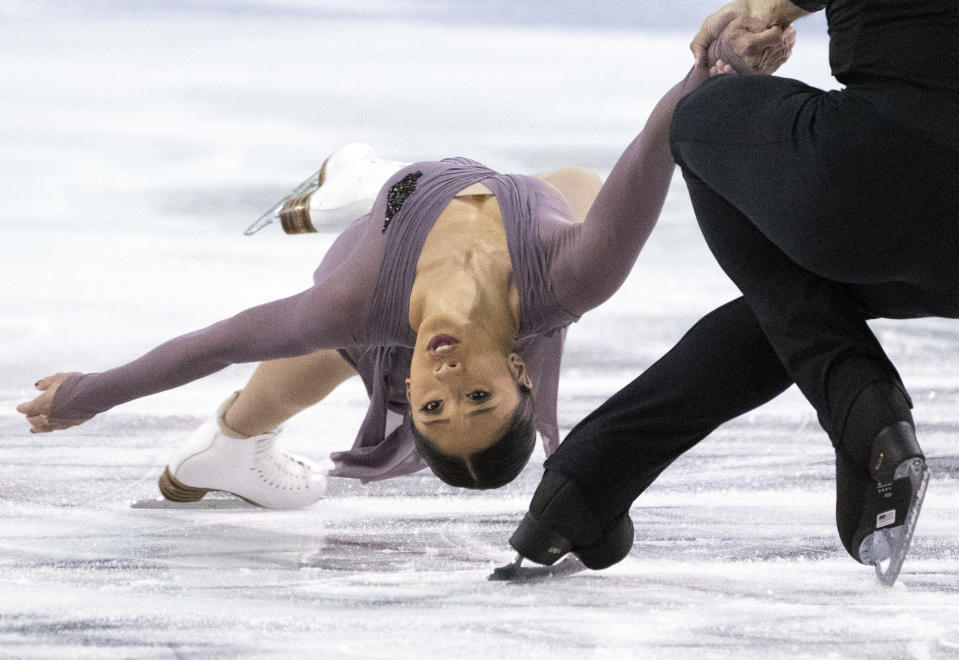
[[398, 193]]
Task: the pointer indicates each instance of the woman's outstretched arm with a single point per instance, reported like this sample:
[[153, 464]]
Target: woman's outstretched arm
[[600, 253], [283, 328]]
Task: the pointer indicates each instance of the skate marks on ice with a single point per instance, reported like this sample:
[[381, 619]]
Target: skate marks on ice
[[735, 550], [724, 559], [376, 599], [735, 554]]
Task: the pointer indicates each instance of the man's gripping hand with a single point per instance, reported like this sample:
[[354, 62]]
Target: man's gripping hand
[[779, 13]]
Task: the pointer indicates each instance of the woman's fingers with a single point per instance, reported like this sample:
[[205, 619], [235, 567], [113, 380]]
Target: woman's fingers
[[720, 68], [37, 410], [34, 407], [42, 424], [39, 423], [44, 383]]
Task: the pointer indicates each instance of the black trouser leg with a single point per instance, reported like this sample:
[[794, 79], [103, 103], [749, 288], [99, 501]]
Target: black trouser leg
[[845, 239], [824, 214], [813, 324], [778, 238], [722, 367]]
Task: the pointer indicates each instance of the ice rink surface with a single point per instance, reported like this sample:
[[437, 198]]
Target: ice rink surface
[[138, 139]]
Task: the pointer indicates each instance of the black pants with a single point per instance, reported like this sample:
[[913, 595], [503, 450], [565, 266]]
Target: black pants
[[825, 213], [722, 368]]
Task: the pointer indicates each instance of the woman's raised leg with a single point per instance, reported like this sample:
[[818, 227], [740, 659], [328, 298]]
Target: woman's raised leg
[[279, 389]]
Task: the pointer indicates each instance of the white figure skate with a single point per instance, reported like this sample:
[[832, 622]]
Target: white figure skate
[[250, 468], [342, 190]]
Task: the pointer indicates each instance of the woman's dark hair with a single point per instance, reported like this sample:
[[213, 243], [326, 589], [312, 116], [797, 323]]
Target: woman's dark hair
[[495, 466]]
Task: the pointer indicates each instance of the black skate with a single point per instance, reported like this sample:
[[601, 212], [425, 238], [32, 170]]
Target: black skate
[[514, 572], [559, 522], [887, 546], [891, 491]]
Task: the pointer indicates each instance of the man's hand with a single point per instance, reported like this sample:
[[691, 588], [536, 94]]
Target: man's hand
[[748, 45], [771, 12], [712, 27]]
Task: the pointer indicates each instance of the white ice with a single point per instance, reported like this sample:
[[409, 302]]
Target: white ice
[[137, 140]]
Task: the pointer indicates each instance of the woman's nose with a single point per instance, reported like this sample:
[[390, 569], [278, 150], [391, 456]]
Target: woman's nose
[[446, 368]]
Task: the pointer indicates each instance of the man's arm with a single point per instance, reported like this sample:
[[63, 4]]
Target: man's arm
[[773, 12]]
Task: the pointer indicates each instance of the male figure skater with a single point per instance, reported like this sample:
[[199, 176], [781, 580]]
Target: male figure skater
[[826, 209]]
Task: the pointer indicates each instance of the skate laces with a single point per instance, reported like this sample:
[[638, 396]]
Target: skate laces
[[278, 469]]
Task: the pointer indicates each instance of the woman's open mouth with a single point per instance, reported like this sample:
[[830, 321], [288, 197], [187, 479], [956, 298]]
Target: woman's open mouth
[[441, 346]]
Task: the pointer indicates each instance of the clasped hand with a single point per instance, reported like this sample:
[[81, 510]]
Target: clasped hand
[[730, 43]]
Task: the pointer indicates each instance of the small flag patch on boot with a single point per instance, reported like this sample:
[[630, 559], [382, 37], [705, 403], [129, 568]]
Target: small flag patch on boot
[[886, 518]]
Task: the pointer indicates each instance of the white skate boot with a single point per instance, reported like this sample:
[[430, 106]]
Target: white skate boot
[[342, 190], [214, 458]]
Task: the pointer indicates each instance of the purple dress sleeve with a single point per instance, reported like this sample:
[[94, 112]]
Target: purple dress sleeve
[[323, 316], [594, 258]]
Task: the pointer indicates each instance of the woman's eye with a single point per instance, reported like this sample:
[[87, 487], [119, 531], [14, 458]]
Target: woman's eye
[[478, 395], [432, 406]]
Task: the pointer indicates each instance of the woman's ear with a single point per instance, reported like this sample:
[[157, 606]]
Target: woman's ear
[[408, 391], [518, 368]]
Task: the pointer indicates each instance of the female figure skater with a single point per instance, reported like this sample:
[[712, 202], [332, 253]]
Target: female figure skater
[[450, 297]]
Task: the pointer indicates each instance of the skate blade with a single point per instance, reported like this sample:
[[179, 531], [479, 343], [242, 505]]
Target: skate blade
[[265, 220], [310, 185], [516, 573], [180, 494], [205, 503], [887, 549]]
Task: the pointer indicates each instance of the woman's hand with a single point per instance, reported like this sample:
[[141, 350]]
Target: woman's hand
[[38, 410], [720, 68]]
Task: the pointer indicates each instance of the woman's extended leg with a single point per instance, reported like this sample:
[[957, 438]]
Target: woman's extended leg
[[279, 389]]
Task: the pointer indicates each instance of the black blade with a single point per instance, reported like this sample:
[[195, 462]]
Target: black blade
[[516, 573]]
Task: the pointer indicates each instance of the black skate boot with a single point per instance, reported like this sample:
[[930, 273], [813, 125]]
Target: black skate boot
[[559, 522], [877, 507]]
